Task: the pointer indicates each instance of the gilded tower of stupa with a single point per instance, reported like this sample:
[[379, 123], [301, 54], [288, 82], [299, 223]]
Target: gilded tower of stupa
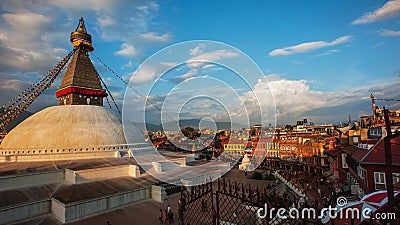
[[81, 84], [79, 127]]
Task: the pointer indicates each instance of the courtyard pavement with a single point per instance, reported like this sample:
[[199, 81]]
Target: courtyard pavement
[[146, 212]]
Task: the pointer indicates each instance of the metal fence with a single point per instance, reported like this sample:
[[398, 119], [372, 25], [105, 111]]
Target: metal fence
[[226, 203]]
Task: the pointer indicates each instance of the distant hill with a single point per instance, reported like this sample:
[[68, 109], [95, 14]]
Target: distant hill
[[21, 117], [220, 125], [194, 123]]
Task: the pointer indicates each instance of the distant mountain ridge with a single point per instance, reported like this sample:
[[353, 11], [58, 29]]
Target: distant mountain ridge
[[194, 123]]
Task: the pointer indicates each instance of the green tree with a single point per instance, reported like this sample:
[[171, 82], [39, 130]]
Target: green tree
[[188, 132]]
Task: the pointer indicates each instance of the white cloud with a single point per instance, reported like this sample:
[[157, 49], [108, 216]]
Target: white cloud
[[391, 33], [189, 75], [327, 53], [389, 9], [26, 21], [197, 50], [34, 34], [131, 22], [379, 44], [128, 65], [202, 62], [9, 88], [105, 20], [154, 37], [127, 50], [143, 74], [149, 71], [293, 97], [309, 46], [213, 56], [13, 85], [97, 5], [25, 42]]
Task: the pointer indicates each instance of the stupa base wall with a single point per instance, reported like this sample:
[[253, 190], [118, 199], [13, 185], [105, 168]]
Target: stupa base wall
[[25, 211], [59, 156], [66, 212]]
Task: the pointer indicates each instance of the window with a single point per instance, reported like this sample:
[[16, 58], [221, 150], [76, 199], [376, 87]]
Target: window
[[380, 182], [396, 178], [344, 163], [361, 172]]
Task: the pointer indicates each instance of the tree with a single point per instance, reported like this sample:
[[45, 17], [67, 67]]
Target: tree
[[189, 132]]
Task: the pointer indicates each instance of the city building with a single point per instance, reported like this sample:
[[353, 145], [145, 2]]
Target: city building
[[236, 147], [368, 166]]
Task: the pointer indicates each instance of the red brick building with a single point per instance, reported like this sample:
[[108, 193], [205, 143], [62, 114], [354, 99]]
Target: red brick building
[[366, 168]]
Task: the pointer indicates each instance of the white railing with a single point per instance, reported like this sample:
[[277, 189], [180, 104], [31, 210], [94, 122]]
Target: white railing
[[73, 149]]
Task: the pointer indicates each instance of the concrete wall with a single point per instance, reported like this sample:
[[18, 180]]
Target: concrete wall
[[77, 210], [181, 161], [134, 171], [157, 167], [21, 212], [81, 176], [168, 166], [33, 179], [58, 209], [158, 193], [70, 176]]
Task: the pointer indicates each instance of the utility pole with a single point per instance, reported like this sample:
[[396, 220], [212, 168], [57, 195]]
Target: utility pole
[[388, 160]]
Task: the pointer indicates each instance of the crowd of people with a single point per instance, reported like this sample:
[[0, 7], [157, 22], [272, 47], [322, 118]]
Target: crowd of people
[[320, 191], [166, 216]]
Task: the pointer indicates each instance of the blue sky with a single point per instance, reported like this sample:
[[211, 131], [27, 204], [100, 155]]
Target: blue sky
[[322, 59]]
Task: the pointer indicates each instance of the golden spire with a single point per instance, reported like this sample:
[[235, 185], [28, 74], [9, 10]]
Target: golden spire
[[80, 38]]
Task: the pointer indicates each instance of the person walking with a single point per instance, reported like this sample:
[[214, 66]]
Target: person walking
[[160, 217], [171, 217], [166, 217]]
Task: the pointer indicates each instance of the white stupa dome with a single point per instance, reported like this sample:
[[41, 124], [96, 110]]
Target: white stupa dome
[[66, 126]]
